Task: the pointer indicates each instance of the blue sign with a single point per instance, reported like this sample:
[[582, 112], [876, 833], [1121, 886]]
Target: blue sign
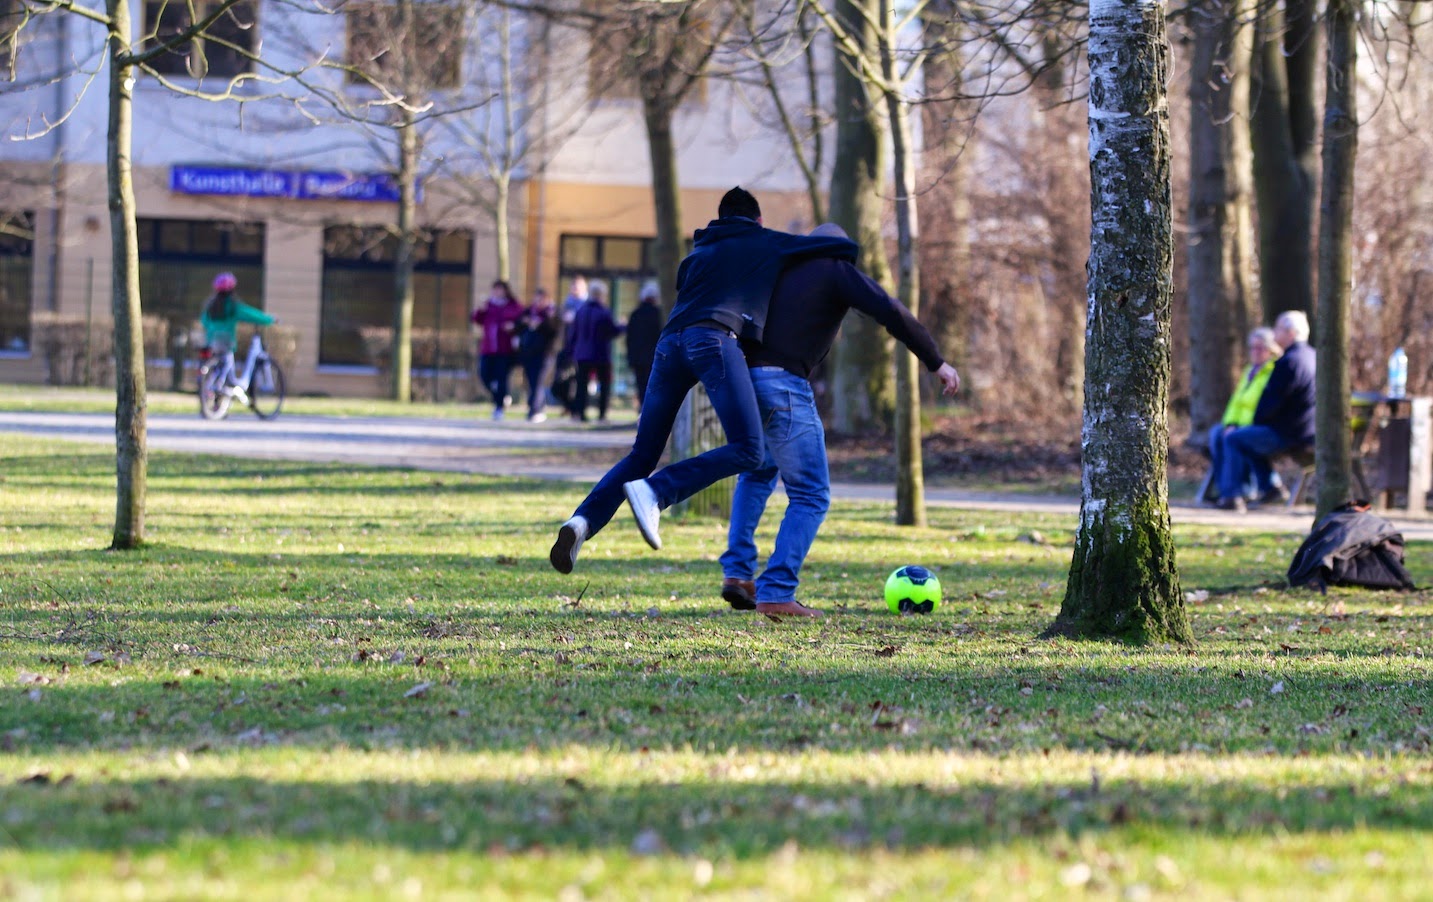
[[291, 183]]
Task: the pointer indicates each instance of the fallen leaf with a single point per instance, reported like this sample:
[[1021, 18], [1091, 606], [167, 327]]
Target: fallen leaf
[[888, 651], [418, 690], [93, 657], [1276, 688]]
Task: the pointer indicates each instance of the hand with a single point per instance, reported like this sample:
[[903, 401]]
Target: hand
[[949, 379]]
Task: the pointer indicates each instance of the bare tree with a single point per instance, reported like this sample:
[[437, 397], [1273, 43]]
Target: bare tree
[[1123, 581], [1340, 149], [1284, 127], [1220, 238]]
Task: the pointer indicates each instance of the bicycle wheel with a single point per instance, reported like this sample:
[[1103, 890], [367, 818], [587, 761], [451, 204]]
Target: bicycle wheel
[[266, 389], [213, 400]]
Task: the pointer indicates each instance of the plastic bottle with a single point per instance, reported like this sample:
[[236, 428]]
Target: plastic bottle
[[1397, 373]]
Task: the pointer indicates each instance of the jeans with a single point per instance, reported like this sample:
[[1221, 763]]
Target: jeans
[[535, 368], [795, 450], [494, 370], [684, 358], [1217, 455], [1246, 452]]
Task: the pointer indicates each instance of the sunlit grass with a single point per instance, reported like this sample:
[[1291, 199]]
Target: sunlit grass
[[319, 681]]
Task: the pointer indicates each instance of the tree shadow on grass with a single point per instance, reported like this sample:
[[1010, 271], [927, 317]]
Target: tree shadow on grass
[[739, 818], [727, 687]]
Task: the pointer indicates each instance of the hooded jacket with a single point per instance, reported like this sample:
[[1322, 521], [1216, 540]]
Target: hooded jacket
[[734, 265]]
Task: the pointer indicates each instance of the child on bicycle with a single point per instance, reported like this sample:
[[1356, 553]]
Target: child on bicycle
[[223, 312]]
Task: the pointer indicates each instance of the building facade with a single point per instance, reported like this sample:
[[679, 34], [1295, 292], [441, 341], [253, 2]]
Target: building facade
[[288, 180]]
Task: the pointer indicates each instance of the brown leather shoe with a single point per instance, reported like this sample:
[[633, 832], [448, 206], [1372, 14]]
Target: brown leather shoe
[[779, 609], [739, 593]]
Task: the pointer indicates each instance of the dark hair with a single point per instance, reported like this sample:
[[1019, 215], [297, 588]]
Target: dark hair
[[507, 289], [221, 305], [738, 202]]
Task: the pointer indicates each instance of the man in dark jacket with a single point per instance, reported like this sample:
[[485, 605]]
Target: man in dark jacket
[[806, 310], [1283, 421], [723, 287], [593, 330], [644, 327]]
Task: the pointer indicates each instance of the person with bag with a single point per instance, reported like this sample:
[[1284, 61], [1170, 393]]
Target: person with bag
[[498, 318]]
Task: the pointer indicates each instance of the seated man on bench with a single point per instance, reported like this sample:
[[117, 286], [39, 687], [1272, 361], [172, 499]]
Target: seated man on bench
[[1283, 420]]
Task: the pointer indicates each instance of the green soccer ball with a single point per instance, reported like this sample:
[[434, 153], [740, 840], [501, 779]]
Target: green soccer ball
[[912, 590]]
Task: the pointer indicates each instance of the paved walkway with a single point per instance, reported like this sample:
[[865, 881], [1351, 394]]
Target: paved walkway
[[521, 449]]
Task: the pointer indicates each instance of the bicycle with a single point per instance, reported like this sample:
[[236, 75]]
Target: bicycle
[[261, 386]]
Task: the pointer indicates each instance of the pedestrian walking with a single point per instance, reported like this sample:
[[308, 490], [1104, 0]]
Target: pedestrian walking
[[537, 345], [593, 330], [497, 351], [644, 327]]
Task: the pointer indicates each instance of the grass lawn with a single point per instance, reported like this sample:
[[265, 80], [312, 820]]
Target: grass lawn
[[321, 682]]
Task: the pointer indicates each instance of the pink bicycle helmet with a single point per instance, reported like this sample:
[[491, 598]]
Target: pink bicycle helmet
[[225, 281]]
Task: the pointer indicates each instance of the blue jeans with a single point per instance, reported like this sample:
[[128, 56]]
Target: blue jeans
[[1217, 456], [1246, 452], [684, 358], [795, 450], [534, 368]]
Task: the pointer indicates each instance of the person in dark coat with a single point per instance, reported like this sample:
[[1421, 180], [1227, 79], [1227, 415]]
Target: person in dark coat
[[537, 345], [1283, 421], [592, 332], [723, 287], [807, 307], [644, 326]]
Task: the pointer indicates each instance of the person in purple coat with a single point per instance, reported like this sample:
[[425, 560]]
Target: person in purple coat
[[592, 332]]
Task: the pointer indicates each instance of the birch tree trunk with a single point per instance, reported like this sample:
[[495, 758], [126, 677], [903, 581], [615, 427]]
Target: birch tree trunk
[[1123, 581], [1221, 309], [403, 264], [1331, 445], [131, 395], [861, 387]]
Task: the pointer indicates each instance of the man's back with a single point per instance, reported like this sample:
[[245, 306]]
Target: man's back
[[1287, 404], [807, 306]]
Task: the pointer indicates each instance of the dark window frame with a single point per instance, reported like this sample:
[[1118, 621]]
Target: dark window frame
[[17, 261], [355, 256], [440, 39], [201, 58]]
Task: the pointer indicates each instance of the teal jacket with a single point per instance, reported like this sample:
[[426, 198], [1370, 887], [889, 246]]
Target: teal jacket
[[1240, 411], [221, 318]]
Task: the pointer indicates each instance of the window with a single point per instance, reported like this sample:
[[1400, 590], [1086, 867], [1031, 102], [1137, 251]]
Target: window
[[17, 248], [219, 51], [178, 259], [12, 16], [620, 263], [356, 317], [629, 40], [423, 53]]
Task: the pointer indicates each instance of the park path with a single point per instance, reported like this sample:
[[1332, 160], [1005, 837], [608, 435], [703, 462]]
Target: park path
[[517, 448]]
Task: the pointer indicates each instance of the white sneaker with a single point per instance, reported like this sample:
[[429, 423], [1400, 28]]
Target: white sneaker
[[570, 537], [644, 507], [537, 418]]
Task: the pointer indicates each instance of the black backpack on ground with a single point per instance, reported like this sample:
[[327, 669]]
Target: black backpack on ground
[[1351, 547]]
